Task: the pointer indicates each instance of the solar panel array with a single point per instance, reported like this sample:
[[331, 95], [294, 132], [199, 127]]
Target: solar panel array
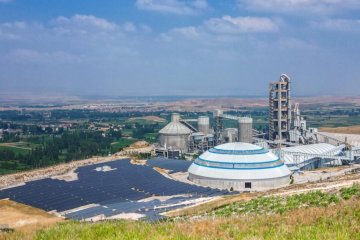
[[170, 164], [116, 191]]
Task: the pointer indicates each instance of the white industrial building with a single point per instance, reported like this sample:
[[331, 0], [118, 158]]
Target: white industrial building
[[311, 156], [240, 166], [352, 139]]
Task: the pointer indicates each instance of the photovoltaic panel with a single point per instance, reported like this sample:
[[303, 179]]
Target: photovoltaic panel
[[174, 165], [119, 189]]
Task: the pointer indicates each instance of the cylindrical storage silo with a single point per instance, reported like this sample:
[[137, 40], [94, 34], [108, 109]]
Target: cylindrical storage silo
[[175, 135], [245, 129], [203, 124]]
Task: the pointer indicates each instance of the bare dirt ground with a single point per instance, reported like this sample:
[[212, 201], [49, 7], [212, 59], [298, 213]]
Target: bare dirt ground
[[24, 219], [150, 118], [68, 176], [348, 130], [138, 147]]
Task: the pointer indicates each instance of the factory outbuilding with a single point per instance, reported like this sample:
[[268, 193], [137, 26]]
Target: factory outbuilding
[[239, 166]]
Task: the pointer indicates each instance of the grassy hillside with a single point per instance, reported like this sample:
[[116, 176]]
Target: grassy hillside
[[313, 215], [339, 222]]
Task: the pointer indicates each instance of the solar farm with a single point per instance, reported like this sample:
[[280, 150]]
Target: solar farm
[[114, 188]]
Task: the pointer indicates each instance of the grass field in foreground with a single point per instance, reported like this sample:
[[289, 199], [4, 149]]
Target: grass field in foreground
[[337, 222], [313, 215]]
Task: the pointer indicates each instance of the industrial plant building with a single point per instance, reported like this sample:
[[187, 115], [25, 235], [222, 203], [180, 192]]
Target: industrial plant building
[[239, 166], [288, 136], [180, 137]]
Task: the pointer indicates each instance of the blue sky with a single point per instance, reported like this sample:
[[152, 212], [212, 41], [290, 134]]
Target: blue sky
[[179, 47]]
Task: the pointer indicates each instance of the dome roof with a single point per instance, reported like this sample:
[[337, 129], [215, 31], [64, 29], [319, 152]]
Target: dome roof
[[175, 128], [238, 152], [239, 161], [237, 146]]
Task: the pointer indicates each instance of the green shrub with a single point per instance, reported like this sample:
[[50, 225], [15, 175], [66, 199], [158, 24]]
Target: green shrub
[[347, 193]]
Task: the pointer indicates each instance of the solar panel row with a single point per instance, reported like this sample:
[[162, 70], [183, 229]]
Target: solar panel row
[[170, 164], [120, 188]]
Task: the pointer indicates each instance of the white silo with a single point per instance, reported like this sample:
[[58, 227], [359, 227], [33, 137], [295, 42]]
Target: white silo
[[204, 124], [245, 129]]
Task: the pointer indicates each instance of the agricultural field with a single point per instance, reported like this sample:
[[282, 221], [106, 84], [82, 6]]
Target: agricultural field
[[127, 132], [332, 120], [347, 130]]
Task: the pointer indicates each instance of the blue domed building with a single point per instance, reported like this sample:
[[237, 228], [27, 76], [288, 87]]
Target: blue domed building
[[239, 166]]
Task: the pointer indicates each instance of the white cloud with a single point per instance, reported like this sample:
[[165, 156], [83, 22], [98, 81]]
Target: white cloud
[[292, 6], [13, 30], [130, 27], [179, 7], [69, 40], [82, 24], [187, 32], [224, 29], [89, 24], [236, 25], [14, 25]]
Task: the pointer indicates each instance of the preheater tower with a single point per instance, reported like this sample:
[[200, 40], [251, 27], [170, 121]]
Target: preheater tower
[[280, 109]]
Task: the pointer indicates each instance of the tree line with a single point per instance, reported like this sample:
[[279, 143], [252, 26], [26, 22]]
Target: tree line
[[67, 147]]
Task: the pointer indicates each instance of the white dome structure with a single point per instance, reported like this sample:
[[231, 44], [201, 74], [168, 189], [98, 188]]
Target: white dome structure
[[240, 166]]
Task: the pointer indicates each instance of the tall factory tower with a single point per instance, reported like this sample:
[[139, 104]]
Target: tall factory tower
[[279, 109]]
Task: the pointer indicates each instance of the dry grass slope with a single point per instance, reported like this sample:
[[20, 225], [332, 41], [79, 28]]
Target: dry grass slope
[[337, 222], [24, 219]]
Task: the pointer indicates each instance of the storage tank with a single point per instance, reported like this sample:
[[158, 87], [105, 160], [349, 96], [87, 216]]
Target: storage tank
[[175, 135], [245, 129], [204, 124], [230, 134]]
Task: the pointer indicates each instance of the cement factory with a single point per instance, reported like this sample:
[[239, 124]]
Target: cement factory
[[288, 146], [225, 154]]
